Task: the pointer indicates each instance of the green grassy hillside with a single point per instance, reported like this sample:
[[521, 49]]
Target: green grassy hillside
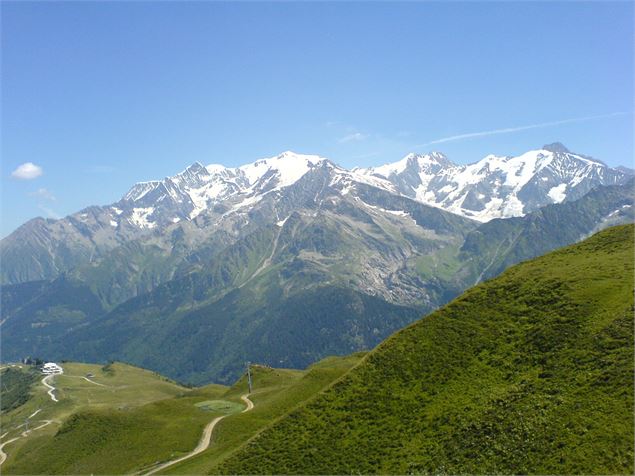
[[104, 424], [531, 372], [114, 441], [276, 392], [124, 419]]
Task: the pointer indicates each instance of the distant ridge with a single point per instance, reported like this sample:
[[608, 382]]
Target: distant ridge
[[498, 186]]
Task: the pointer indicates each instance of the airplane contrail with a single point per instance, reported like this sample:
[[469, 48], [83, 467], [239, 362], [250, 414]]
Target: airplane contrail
[[522, 128]]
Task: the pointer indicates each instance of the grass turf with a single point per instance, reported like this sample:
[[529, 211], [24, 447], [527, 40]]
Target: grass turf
[[531, 372]]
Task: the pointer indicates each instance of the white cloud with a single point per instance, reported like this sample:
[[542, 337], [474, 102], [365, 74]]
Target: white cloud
[[27, 171], [354, 137], [44, 194], [520, 128]]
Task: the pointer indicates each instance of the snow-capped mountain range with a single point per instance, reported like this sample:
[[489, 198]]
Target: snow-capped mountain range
[[219, 262], [493, 187], [216, 188], [190, 216]]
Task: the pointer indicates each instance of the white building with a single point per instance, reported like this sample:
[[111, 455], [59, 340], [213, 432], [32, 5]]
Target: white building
[[51, 368]]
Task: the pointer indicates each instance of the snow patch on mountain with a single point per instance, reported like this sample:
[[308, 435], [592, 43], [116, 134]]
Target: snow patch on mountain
[[281, 223], [557, 193], [140, 216]]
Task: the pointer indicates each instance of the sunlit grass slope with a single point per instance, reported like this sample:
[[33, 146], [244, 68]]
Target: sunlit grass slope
[[127, 419], [276, 392], [123, 418], [531, 372]]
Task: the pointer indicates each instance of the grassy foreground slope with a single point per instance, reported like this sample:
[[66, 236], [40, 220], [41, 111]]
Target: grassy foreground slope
[[276, 392], [531, 372], [119, 419], [129, 420]]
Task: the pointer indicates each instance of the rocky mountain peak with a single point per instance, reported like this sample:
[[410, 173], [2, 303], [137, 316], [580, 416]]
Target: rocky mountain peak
[[498, 186], [556, 147], [493, 187], [196, 168]]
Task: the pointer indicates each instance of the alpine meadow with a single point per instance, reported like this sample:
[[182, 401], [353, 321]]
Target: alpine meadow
[[317, 238]]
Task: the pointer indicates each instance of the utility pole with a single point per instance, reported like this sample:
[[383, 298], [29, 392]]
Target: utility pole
[[249, 376]]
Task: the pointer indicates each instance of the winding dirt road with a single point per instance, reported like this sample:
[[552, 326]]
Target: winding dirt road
[[92, 381], [249, 403], [205, 440], [50, 387], [3, 455], [87, 379]]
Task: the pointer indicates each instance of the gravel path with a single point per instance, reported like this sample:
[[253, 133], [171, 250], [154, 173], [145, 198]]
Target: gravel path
[[3, 455], [50, 387], [205, 440]]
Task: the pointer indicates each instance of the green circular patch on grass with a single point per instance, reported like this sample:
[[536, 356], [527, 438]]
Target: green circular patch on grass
[[222, 406]]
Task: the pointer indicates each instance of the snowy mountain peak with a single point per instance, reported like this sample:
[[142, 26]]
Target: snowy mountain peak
[[411, 162], [198, 188], [493, 187], [437, 155], [434, 158], [195, 173], [556, 147], [196, 167], [281, 170], [291, 154], [215, 168], [289, 157], [497, 186]]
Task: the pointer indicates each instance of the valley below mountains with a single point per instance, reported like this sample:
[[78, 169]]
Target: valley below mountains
[[528, 373], [289, 259]]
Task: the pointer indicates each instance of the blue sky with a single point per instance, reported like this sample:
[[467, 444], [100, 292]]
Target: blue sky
[[103, 94]]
